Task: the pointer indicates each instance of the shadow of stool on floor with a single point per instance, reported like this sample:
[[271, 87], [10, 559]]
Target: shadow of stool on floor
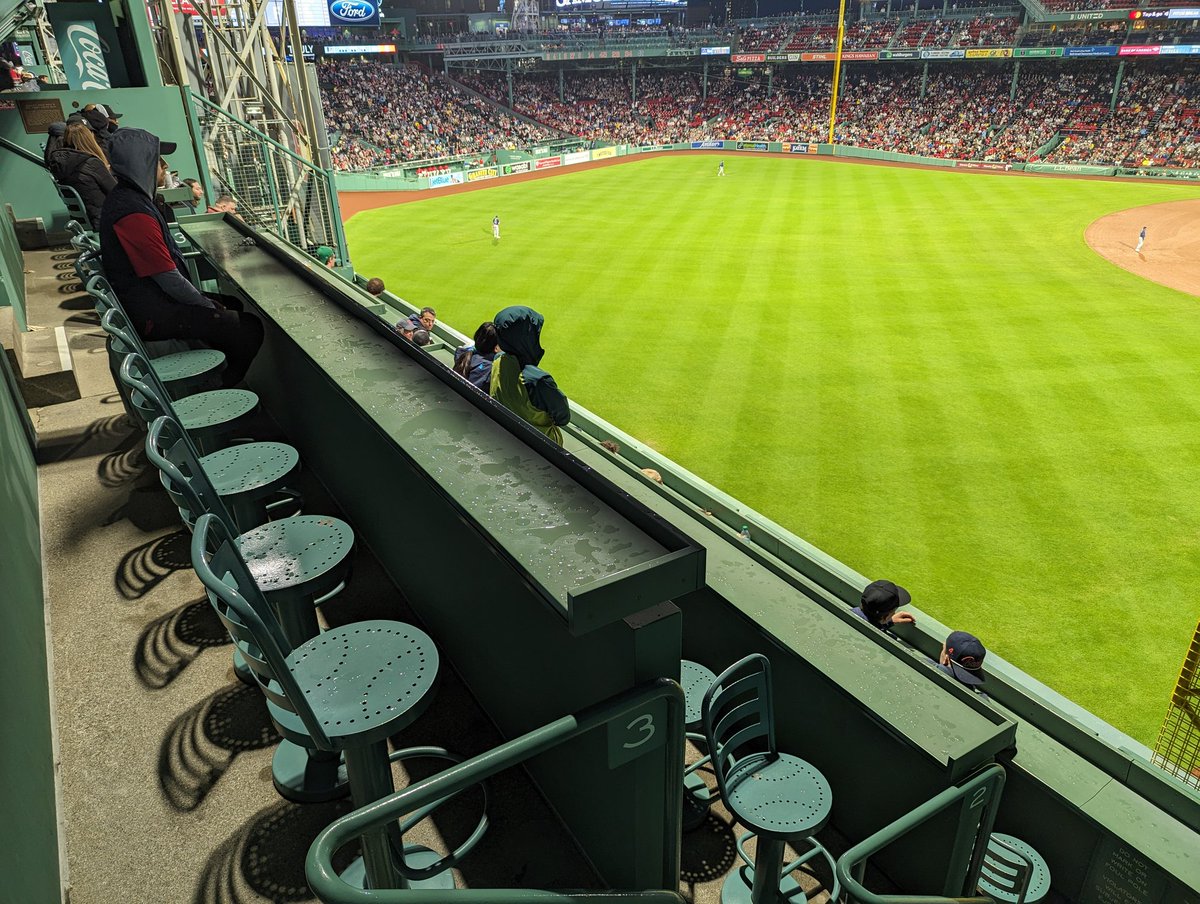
[[708, 853], [264, 859], [148, 565], [200, 744], [171, 642]]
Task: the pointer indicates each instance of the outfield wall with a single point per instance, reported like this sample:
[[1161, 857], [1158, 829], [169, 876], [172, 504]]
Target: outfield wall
[[509, 165]]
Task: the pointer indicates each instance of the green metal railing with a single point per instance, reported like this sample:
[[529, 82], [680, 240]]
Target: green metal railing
[[979, 799], [638, 703], [277, 190]]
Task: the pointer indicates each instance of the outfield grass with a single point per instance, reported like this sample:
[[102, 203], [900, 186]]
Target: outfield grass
[[926, 374]]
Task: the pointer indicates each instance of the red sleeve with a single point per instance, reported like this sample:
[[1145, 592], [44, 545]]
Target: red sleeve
[[141, 237]]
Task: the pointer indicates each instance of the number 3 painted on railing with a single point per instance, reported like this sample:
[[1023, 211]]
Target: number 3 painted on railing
[[645, 724]]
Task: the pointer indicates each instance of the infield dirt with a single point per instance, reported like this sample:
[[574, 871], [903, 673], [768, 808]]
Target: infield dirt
[[1171, 253]]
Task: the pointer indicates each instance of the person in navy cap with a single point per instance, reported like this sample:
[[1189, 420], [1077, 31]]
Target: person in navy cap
[[880, 605], [962, 659]]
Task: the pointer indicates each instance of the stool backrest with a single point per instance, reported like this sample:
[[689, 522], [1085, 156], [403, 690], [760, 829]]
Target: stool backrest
[[87, 264], [120, 330], [737, 715], [1006, 869], [146, 394], [247, 615], [74, 204], [171, 451]]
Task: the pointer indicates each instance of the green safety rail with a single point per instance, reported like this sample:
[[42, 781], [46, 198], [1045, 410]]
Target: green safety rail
[[277, 189], [641, 705], [979, 799]]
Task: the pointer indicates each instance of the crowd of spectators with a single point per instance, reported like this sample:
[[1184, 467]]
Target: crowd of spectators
[[1060, 113], [964, 114], [387, 114]]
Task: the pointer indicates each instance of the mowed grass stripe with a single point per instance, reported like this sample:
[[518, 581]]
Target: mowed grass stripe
[[927, 373]]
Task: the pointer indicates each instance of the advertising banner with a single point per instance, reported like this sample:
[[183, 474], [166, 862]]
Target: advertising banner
[[1102, 50], [748, 58], [752, 146], [989, 53], [445, 179], [783, 58], [1180, 48], [1149, 13], [899, 54], [1185, 12], [848, 56], [512, 168], [799, 148], [939, 53], [488, 172], [1138, 50], [1084, 169], [576, 157], [983, 165], [353, 12], [604, 153], [88, 46], [1092, 16], [357, 49], [547, 162], [708, 145], [714, 51], [1038, 52]]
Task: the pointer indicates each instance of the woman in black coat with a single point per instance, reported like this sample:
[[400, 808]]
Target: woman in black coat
[[81, 164]]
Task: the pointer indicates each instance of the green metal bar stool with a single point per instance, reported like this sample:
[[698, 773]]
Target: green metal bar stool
[[1012, 871], [695, 680], [244, 476], [777, 796], [347, 690], [298, 563]]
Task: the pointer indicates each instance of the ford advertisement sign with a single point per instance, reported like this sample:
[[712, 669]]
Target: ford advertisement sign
[[353, 12]]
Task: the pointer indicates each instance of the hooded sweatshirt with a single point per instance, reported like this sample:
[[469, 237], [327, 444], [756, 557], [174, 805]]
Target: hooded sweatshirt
[[56, 131], [139, 253], [517, 382], [86, 174]]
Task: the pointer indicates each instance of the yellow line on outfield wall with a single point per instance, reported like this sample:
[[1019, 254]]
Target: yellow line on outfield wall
[[837, 68]]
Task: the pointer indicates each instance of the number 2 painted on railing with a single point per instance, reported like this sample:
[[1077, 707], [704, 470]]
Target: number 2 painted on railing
[[647, 728]]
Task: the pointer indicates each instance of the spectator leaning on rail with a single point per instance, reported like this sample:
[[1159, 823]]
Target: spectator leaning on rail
[[880, 605], [474, 362], [147, 272], [962, 659], [517, 382]]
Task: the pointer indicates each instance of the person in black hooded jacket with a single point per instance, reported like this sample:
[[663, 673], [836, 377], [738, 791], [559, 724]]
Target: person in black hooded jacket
[[81, 164], [146, 271]]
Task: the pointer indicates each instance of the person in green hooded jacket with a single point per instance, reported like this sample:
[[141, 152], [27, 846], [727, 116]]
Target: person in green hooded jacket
[[517, 382]]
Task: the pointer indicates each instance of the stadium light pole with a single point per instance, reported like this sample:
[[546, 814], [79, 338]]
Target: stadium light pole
[[837, 67]]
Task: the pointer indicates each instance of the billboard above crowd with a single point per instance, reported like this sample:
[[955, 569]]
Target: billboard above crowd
[[590, 5], [328, 13]]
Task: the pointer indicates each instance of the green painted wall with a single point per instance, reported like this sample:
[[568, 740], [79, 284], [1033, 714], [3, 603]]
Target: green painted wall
[[29, 854], [28, 187]]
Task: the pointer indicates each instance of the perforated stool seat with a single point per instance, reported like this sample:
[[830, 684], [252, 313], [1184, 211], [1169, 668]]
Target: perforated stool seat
[[1002, 875], [183, 373], [210, 417], [245, 476], [365, 682], [299, 563], [695, 680], [786, 797]]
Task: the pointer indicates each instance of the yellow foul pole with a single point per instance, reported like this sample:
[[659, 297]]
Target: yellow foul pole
[[837, 68]]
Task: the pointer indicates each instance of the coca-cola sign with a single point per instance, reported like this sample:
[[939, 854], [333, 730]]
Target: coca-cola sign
[[90, 68], [88, 44]]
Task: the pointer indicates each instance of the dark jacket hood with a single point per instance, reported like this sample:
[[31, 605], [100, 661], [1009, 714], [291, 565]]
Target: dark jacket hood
[[133, 155], [519, 330], [57, 129]]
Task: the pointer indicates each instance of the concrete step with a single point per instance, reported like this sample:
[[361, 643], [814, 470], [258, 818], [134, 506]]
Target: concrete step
[[44, 366]]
